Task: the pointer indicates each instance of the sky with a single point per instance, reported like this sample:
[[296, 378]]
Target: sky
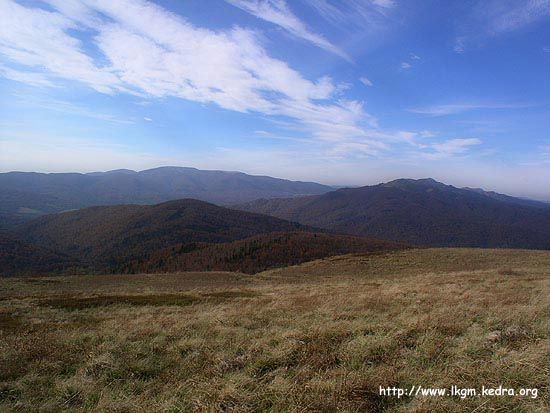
[[348, 92]]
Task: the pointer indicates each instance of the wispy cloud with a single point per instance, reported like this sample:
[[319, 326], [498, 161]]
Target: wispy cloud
[[278, 12], [490, 18], [454, 146], [68, 108], [449, 148], [365, 80], [407, 64], [353, 12], [546, 49], [38, 38], [29, 78], [456, 108], [505, 16], [230, 69]]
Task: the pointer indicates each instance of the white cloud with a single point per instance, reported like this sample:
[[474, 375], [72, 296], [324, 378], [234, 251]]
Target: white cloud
[[414, 56], [278, 12], [546, 49], [147, 119], [364, 80], [38, 38], [405, 65], [228, 68]]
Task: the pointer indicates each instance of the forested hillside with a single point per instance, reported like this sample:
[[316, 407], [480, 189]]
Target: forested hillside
[[421, 212]]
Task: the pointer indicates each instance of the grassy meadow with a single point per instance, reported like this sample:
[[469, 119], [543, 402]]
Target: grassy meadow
[[319, 337]]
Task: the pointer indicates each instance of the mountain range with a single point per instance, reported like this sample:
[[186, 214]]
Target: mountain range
[[190, 234], [27, 195], [420, 212]]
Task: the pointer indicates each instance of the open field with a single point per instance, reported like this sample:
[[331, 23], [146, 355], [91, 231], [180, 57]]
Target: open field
[[319, 337]]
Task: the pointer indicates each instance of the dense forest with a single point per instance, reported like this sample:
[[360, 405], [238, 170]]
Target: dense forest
[[173, 236], [257, 253]]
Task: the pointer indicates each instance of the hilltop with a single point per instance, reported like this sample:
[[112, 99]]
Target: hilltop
[[111, 235], [421, 212], [178, 235]]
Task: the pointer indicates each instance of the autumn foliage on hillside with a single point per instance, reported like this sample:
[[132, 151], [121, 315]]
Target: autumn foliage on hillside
[[20, 258], [257, 253]]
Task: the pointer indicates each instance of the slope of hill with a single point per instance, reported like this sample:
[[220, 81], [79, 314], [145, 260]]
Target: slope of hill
[[422, 212], [319, 337], [20, 258], [257, 253], [110, 235], [510, 199], [25, 195]]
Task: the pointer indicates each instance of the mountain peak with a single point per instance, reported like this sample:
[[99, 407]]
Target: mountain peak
[[114, 171], [421, 212], [409, 182]]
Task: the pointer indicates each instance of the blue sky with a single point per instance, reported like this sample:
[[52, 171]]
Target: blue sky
[[348, 92]]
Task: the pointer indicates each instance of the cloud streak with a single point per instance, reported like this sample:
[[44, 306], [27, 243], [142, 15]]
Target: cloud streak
[[497, 17], [278, 12], [457, 108], [366, 81], [353, 12], [450, 148], [229, 68]]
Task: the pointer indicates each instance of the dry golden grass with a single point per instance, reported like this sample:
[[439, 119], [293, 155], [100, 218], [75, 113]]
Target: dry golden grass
[[319, 337]]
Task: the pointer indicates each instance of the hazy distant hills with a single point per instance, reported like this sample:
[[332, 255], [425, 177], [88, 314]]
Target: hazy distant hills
[[26, 195], [172, 236], [422, 212]]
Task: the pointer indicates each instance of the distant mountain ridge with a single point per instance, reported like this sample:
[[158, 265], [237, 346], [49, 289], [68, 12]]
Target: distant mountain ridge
[[511, 199], [27, 195], [421, 212]]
